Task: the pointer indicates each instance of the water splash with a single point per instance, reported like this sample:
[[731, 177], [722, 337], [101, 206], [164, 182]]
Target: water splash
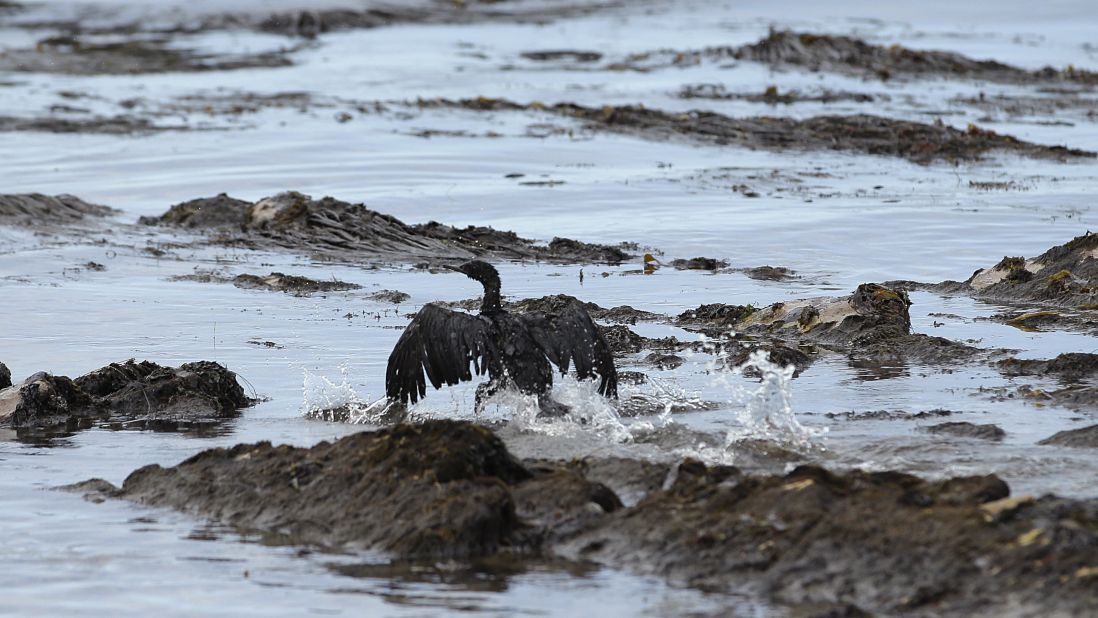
[[589, 412], [325, 400], [765, 412]]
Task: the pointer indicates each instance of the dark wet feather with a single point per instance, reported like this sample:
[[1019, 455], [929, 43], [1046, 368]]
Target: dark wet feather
[[571, 338], [441, 343]]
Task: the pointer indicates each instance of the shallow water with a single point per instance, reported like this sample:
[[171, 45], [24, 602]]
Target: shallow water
[[836, 219]]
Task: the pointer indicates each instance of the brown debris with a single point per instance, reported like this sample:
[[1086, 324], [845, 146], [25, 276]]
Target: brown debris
[[876, 135]]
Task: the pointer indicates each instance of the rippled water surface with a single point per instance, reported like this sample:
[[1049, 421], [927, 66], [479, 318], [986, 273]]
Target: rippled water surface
[[836, 219]]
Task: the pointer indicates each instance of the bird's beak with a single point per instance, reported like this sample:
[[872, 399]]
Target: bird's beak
[[452, 267]]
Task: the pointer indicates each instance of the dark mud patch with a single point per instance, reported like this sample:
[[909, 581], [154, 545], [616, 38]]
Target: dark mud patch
[[772, 96], [36, 209], [124, 395], [769, 273], [1023, 106], [876, 135], [74, 55], [566, 55], [963, 429], [889, 415], [394, 297], [1069, 367], [335, 230], [291, 284], [854, 56], [103, 125], [274, 282], [1086, 437], [699, 263]]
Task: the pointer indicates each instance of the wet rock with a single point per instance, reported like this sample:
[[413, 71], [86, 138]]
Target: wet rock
[[630, 479], [1070, 366], [624, 314], [887, 542], [75, 55], [554, 303], [876, 135], [664, 361], [968, 430], [291, 284], [699, 263], [623, 341], [737, 353], [1058, 277], [569, 250], [46, 401], [441, 489], [389, 296], [769, 273], [561, 501], [872, 326], [715, 315], [1086, 437], [150, 391], [5, 376], [31, 209], [220, 211], [793, 537], [136, 394], [337, 230]]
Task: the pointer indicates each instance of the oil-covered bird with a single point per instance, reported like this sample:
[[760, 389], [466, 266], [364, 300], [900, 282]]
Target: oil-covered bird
[[446, 347]]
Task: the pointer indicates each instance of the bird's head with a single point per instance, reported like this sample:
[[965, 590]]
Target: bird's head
[[479, 271]]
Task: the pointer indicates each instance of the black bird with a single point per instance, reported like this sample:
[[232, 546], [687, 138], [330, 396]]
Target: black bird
[[515, 349]]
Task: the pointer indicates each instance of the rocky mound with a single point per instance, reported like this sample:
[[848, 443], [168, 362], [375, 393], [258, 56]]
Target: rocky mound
[[136, 394], [339, 230], [867, 542]]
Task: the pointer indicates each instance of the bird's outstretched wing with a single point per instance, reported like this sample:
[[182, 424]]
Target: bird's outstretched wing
[[571, 338], [441, 343]]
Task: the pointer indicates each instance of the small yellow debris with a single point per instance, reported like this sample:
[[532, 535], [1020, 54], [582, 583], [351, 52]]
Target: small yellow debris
[[798, 485], [1029, 317], [1028, 538], [1091, 571], [994, 509]]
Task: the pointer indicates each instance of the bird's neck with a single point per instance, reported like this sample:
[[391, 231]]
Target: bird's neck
[[491, 302]]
